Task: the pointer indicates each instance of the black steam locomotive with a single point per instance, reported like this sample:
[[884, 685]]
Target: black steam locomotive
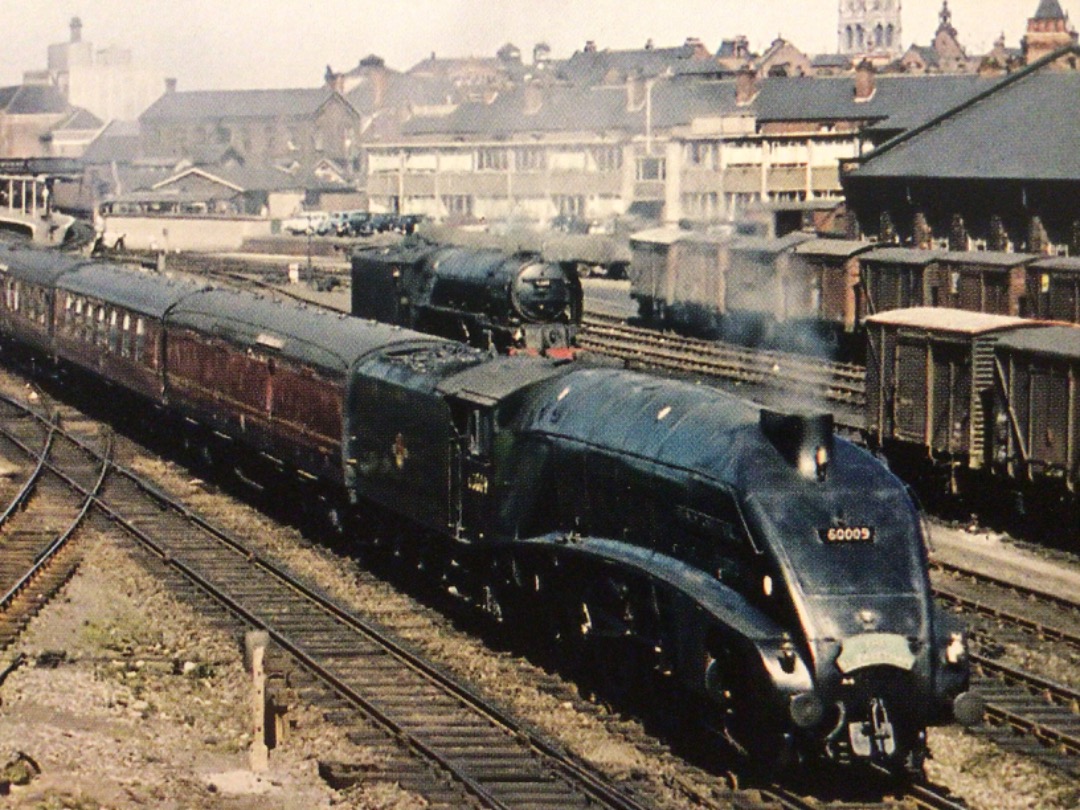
[[484, 297], [749, 559]]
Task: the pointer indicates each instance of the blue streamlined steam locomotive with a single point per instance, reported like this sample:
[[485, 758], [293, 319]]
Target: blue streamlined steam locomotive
[[745, 557]]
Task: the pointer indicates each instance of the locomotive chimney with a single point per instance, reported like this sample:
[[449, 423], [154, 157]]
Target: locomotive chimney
[[805, 440]]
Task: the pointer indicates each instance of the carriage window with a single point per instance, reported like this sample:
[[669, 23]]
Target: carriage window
[[114, 332], [140, 339], [125, 336], [99, 329]]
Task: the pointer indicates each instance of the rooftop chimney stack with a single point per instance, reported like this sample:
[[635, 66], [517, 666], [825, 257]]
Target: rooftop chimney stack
[[865, 81]]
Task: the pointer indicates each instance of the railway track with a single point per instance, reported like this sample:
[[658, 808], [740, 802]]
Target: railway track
[[840, 383], [440, 739], [1025, 712], [474, 754], [39, 525]]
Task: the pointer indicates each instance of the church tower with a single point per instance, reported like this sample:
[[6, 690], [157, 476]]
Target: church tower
[[1047, 31], [869, 29]]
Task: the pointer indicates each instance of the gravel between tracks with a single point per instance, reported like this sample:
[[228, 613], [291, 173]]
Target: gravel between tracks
[[109, 731]]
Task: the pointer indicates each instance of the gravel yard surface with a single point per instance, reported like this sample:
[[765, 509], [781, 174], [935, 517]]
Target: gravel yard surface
[[131, 699]]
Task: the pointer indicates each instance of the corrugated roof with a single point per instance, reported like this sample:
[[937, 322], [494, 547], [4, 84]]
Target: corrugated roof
[[1056, 341], [947, 320]]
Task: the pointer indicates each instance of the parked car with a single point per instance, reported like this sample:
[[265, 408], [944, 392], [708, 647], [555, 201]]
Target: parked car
[[304, 222], [335, 224]]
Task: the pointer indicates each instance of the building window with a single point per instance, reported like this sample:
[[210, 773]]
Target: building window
[[530, 160], [608, 158], [494, 160], [651, 168], [702, 154], [458, 205], [570, 205]]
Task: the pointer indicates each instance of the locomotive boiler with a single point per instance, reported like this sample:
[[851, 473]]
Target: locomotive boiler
[[480, 296], [774, 573]]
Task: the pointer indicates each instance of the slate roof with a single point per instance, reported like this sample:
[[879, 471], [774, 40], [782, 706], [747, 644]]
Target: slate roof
[[79, 119], [243, 178], [401, 89], [1049, 10], [201, 105], [32, 99], [590, 67], [899, 101], [569, 108], [1018, 129], [119, 142]]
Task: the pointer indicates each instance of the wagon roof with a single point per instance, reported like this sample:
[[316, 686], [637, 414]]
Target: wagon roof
[[1056, 341], [659, 236], [902, 255], [995, 258], [1066, 263], [947, 320], [760, 244], [149, 293], [833, 247], [308, 334], [489, 383], [38, 266]]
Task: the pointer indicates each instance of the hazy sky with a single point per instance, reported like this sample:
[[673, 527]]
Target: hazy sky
[[288, 43]]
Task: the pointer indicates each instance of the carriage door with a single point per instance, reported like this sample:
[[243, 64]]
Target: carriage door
[[476, 471]]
